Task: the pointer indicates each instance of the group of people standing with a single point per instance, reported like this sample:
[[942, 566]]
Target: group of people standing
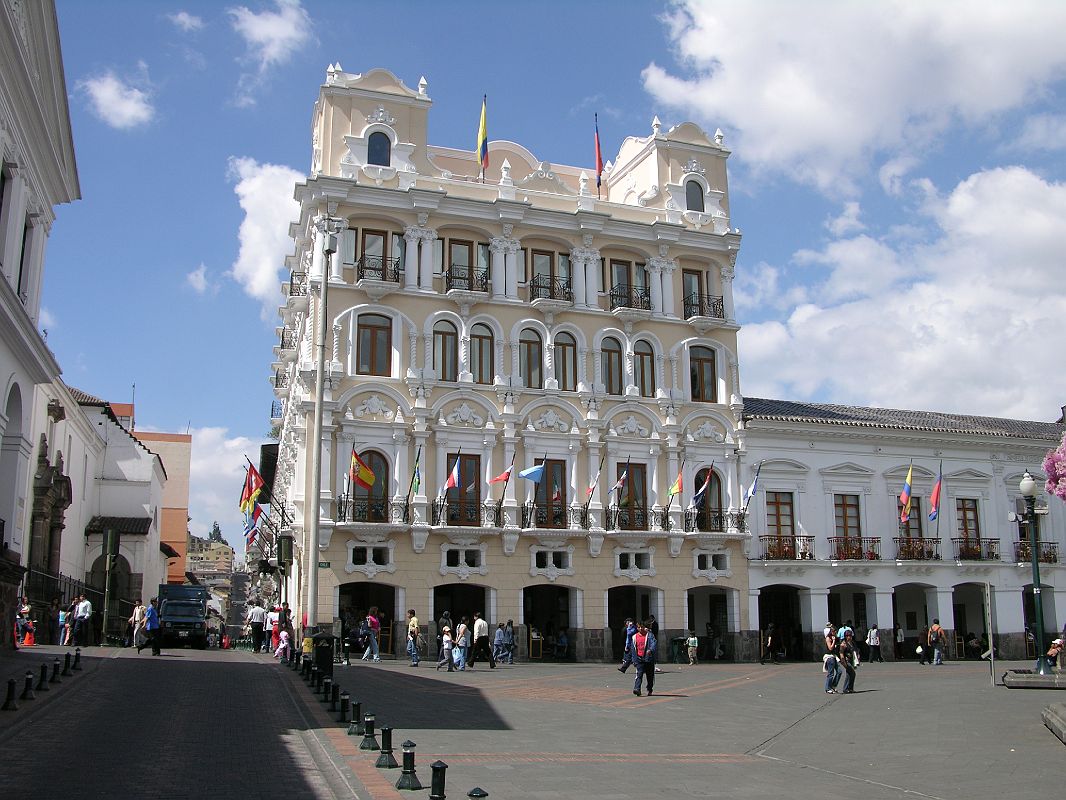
[[841, 658], [70, 625], [459, 646]]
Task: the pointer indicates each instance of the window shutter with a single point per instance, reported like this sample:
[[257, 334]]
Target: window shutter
[[348, 246]]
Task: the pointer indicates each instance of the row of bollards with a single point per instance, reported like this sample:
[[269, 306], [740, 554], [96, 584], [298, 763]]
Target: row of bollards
[[350, 713], [29, 691]]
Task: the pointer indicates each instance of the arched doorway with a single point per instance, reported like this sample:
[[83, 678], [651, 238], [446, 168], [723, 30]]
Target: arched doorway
[[10, 441], [970, 613], [638, 602], [708, 617], [780, 605], [358, 597], [462, 600], [912, 613]]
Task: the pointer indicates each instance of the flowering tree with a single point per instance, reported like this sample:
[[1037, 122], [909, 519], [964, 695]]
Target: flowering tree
[[1055, 469]]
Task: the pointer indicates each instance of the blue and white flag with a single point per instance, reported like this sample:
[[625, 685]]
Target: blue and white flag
[[535, 474], [754, 486]]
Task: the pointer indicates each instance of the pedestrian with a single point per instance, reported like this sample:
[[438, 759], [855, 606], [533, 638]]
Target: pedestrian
[[64, 628], [770, 644], [461, 646], [481, 642], [151, 628], [413, 635], [937, 640], [899, 641], [509, 641], [445, 621], [830, 662], [848, 657], [498, 651], [627, 651], [645, 648], [369, 632], [82, 620], [693, 646], [273, 628], [282, 650], [256, 618], [924, 651], [137, 621], [446, 647], [873, 642], [68, 634], [22, 619]]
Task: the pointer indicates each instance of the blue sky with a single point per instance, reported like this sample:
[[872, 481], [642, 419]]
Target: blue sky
[[897, 173]]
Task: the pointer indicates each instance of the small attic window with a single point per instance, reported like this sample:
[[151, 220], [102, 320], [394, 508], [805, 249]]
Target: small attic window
[[379, 149], [694, 196]]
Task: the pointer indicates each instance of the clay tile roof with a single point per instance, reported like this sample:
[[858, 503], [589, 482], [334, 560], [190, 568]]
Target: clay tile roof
[[132, 525], [84, 398], [756, 408]]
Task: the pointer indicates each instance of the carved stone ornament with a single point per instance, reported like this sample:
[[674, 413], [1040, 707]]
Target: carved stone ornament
[[695, 166], [374, 406], [630, 427], [381, 115], [551, 421], [463, 414], [707, 431], [595, 544]]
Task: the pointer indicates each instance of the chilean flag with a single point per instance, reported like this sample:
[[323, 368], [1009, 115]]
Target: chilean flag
[[934, 498], [905, 496], [453, 477]]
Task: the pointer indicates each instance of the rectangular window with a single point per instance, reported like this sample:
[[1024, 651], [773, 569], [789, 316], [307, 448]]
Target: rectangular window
[[348, 246], [464, 501], [481, 354], [374, 246], [912, 528], [399, 249], [551, 495], [779, 516], [24, 267], [691, 284], [632, 498], [523, 264], [542, 264], [846, 508], [966, 511]]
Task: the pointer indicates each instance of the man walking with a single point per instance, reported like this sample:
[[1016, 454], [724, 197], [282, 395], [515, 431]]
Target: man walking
[[257, 618], [412, 636], [644, 652], [151, 628], [481, 641], [937, 638], [137, 621], [82, 617], [627, 652]]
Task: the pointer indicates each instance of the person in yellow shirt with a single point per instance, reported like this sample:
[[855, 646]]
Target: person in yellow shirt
[[412, 636]]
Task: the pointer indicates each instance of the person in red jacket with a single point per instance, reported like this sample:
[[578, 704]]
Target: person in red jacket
[[644, 649]]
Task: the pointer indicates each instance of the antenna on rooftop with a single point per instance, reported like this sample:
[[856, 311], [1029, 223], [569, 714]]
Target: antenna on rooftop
[[133, 407]]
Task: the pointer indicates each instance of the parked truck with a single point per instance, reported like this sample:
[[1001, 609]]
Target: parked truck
[[183, 615]]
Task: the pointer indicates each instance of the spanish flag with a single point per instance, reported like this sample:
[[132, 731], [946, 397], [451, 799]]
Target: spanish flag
[[359, 473], [482, 149]]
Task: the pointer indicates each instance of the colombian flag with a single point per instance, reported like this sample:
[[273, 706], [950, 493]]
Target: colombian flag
[[359, 473], [676, 487], [482, 149], [934, 498], [905, 496]]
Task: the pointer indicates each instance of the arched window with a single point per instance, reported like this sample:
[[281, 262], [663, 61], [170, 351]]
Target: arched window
[[481, 353], [644, 368], [374, 345], [701, 368], [566, 362], [612, 365], [530, 359], [446, 351], [379, 149], [370, 504], [694, 196], [709, 515]]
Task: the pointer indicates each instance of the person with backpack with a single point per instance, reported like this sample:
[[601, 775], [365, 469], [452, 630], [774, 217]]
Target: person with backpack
[[937, 638], [368, 632], [848, 659]]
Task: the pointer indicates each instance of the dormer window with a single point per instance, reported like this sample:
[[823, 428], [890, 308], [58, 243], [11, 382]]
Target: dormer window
[[379, 149], [694, 196]]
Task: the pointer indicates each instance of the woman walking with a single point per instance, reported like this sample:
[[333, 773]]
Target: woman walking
[[830, 662], [508, 641], [462, 643], [446, 648], [372, 627], [849, 659]]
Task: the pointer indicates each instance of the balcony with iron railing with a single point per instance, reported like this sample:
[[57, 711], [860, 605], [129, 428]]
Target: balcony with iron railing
[[461, 278], [544, 290], [624, 296], [910, 549], [786, 548], [624, 518], [377, 268], [700, 520], [704, 305], [281, 379], [297, 284], [372, 510], [973, 549], [277, 409], [466, 513], [855, 548], [554, 516], [1047, 552]]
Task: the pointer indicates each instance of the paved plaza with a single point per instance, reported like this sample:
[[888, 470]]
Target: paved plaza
[[531, 731]]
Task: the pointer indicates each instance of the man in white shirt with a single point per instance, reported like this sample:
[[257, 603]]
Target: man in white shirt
[[256, 618], [82, 617], [481, 642]]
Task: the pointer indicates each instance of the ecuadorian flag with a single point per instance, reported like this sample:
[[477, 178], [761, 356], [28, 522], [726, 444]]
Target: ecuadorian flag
[[483, 136], [905, 496]]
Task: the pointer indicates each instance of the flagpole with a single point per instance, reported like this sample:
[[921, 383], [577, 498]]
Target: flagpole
[[940, 477], [596, 482], [411, 485]]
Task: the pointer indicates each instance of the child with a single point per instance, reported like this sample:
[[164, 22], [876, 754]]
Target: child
[[693, 643], [282, 650], [446, 649]]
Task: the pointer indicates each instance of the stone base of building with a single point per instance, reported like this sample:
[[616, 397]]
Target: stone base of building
[[11, 572]]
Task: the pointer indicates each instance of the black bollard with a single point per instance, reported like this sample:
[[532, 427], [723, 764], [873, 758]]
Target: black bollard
[[42, 681], [334, 697], [312, 671], [477, 793], [370, 741], [9, 701], [344, 709], [77, 659], [408, 779], [327, 688], [318, 681], [386, 760], [356, 728], [27, 690], [66, 665], [55, 672], [437, 780]]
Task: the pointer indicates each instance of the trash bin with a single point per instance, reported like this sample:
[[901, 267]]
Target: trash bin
[[322, 652]]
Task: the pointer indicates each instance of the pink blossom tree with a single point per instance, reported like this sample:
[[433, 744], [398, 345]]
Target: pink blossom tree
[[1055, 469]]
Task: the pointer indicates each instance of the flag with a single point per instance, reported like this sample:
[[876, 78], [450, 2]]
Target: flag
[[535, 474], [416, 479], [934, 498], [359, 473], [622, 480], [249, 538], [675, 488], [251, 518], [482, 149], [599, 155], [754, 486], [905, 495], [453, 476], [596, 480], [253, 485], [503, 477], [699, 495]]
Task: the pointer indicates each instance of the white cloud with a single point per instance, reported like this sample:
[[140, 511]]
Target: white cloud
[[967, 322], [118, 101], [265, 194], [816, 92], [892, 173], [186, 22], [47, 320], [847, 222], [1043, 132], [216, 473], [271, 38], [197, 279]]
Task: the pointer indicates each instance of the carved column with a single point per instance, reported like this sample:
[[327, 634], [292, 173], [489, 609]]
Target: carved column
[[497, 360], [511, 265], [673, 374], [411, 236], [550, 381], [465, 376], [440, 476], [592, 278], [515, 375], [669, 309], [412, 342], [577, 271], [427, 355], [336, 343], [425, 278], [597, 369], [509, 500], [497, 266], [583, 384], [629, 378], [727, 290]]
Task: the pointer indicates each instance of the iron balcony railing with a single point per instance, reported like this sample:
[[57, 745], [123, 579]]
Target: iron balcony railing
[[704, 305], [855, 548], [547, 516], [277, 408], [974, 549], [626, 296], [467, 279], [908, 549], [372, 509], [624, 518], [699, 520], [297, 284], [281, 380], [1047, 552], [580, 518], [545, 287], [460, 513], [377, 268], [288, 339], [787, 548]]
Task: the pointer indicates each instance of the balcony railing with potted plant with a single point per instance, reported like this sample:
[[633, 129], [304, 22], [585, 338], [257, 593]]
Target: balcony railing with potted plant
[[855, 548], [297, 284], [545, 287], [467, 513], [377, 268], [973, 549], [626, 296], [787, 548], [704, 305], [623, 518], [908, 549], [281, 380], [1047, 552], [372, 510], [466, 279], [539, 515], [288, 339]]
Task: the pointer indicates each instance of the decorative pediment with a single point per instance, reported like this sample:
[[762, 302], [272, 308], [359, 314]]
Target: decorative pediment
[[707, 431], [630, 426], [373, 407], [381, 115], [463, 414], [543, 179], [784, 465], [967, 475], [695, 166], [898, 474], [849, 469], [552, 421]]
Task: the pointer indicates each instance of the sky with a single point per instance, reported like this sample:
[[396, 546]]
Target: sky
[[897, 173]]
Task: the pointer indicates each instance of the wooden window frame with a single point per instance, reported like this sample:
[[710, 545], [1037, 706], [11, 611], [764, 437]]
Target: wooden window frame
[[912, 528], [378, 136], [775, 526], [441, 340], [967, 511], [489, 375], [699, 392], [644, 368], [844, 505], [527, 361], [566, 362], [374, 332], [610, 355]]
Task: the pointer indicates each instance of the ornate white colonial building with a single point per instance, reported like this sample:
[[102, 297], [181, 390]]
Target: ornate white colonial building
[[525, 318]]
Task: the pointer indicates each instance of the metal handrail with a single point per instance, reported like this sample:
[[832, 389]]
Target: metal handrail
[[855, 548], [281, 380], [542, 515], [378, 268], [625, 296], [372, 509], [469, 279], [457, 513], [277, 408], [297, 284], [624, 518], [970, 548], [704, 305], [288, 339], [1047, 554], [545, 287], [914, 549], [787, 548]]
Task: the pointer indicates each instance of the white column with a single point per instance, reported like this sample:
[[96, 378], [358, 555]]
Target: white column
[[465, 375], [594, 462], [597, 370], [336, 344], [655, 284], [427, 356], [938, 602], [336, 267], [441, 470], [317, 256], [497, 360], [511, 268], [509, 500], [883, 613], [753, 613], [411, 236], [516, 379], [497, 267], [592, 281], [660, 376], [577, 271], [629, 378], [425, 278], [727, 293], [668, 289], [1059, 607], [653, 489], [412, 343], [814, 608], [401, 478], [583, 384], [673, 376], [550, 382]]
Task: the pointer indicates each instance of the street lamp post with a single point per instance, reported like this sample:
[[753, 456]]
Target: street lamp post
[[1027, 487]]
